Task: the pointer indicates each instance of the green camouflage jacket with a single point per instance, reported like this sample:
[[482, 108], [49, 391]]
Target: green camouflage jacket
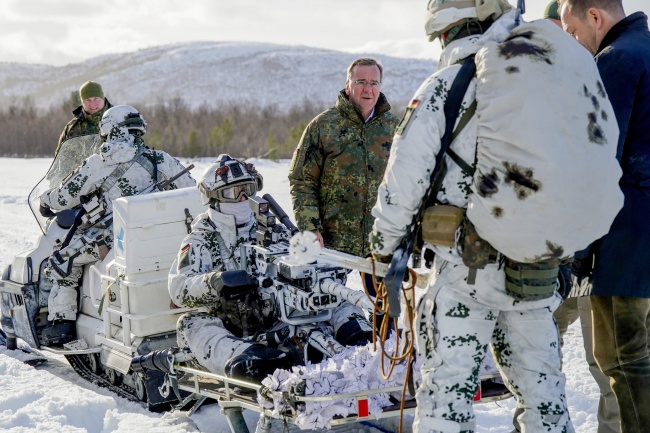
[[336, 170], [82, 124]]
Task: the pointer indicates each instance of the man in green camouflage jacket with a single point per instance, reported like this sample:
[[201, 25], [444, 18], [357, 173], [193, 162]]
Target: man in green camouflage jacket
[[340, 161], [88, 114]]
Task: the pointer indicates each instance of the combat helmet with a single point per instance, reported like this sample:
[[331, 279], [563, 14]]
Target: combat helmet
[[121, 121], [444, 16], [228, 180]]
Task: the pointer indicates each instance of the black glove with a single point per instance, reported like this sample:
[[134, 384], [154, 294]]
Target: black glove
[[582, 267], [46, 211]]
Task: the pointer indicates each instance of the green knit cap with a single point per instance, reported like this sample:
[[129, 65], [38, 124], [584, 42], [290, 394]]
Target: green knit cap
[[90, 89], [551, 11]]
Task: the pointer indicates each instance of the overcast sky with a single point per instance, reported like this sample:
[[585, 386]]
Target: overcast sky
[[58, 32]]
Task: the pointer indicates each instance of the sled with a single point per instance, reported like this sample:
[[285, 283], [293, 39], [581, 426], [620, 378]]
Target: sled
[[234, 396]]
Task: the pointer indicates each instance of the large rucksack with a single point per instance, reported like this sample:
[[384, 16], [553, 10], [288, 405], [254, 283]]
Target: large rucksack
[[546, 178]]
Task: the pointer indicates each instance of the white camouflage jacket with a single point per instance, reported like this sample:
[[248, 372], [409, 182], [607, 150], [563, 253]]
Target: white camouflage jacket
[[212, 246], [120, 169], [417, 142]]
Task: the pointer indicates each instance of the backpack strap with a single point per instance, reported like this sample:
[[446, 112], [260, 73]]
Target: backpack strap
[[399, 263], [451, 109]]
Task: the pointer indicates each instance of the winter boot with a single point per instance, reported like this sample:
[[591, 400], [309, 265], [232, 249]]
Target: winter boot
[[58, 332], [355, 332], [256, 362], [160, 359]]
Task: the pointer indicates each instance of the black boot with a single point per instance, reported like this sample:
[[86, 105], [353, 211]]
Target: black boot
[[257, 362], [59, 332], [356, 332]]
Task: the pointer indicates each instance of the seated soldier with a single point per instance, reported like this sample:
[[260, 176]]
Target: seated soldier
[[123, 167], [218, 339]]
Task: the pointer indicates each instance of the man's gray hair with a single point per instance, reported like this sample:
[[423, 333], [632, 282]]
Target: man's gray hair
[[365, 61]]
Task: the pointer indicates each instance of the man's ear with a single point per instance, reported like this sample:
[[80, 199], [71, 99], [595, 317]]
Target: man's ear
[[595, 18], [347, 87]]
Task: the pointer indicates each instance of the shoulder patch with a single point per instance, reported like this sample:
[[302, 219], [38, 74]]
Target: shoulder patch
[[184, 257], [413, 105]]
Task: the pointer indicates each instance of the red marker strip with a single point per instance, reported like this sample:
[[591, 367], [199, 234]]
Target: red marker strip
[[362, 408]]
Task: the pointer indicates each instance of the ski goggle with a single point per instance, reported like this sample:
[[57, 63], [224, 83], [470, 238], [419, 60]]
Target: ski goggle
[[234, 193]]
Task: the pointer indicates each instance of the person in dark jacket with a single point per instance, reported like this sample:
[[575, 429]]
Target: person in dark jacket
[[87, 115], [620, 278], [340, 160]]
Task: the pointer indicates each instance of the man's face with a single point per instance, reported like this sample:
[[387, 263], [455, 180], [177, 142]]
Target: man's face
[[583, 29], [363, 88], [93, 105]]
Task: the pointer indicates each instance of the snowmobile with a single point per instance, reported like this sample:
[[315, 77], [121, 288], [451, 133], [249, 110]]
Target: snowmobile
[[124, 305]]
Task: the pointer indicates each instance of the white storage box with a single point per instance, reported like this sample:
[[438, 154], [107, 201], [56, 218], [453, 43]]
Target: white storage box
[[148, 231]]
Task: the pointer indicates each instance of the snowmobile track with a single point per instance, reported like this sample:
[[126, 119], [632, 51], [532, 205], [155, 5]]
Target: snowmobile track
[[79, 365]]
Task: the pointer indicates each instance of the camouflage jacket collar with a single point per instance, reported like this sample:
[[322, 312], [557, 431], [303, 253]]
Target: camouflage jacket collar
[[221, 223], [350, 111]]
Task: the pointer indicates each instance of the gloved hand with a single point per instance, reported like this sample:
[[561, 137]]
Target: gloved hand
[[45, 211], [214, 281], [382, 259], [582, 267]]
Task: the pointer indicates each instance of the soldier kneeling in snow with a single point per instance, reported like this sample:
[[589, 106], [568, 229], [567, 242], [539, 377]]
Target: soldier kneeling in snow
[[123, 167]]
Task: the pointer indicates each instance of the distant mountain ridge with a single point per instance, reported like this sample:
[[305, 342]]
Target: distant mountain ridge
[[211, 73]]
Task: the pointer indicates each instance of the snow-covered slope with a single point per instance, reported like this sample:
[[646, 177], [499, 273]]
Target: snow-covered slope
[[214, 73]]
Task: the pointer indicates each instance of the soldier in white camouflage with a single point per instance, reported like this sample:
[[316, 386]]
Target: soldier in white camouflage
[[123, 167], [340, 160], [457, 319], [220, 339], [86, 116]]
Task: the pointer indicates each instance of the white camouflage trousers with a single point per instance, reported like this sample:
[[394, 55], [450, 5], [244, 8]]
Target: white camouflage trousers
[[62, 301], [456, 322], [213, 345]]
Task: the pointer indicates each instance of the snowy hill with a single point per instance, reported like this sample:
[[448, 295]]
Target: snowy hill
[[214, 73]]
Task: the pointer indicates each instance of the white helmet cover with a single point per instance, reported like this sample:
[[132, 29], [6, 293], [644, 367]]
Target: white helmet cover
[[119, 122], [228, 179], [442, 15]]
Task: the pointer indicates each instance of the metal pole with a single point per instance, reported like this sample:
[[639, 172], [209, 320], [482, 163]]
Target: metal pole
[[235, 419]]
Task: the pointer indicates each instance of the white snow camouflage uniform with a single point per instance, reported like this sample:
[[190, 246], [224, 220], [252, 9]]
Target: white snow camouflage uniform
[[213, 246], [96, 175], [455, 321]]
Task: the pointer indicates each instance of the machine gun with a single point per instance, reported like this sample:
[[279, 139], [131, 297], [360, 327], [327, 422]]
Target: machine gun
[[301, 296]]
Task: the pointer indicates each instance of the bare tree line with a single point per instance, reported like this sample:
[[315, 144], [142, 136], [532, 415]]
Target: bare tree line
[[242, 131]]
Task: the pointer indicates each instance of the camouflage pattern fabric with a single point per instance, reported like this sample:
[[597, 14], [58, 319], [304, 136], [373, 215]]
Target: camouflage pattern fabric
[[212, 246], [457, 322], [82, 124], [95, 170], [335, 172], [89, 178], [62, 301], [477, 252]]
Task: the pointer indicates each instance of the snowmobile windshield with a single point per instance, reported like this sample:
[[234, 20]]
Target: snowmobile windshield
[[72, 153]]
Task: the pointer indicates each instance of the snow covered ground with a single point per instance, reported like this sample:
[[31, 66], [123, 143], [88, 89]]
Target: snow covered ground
[[53, 398]]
